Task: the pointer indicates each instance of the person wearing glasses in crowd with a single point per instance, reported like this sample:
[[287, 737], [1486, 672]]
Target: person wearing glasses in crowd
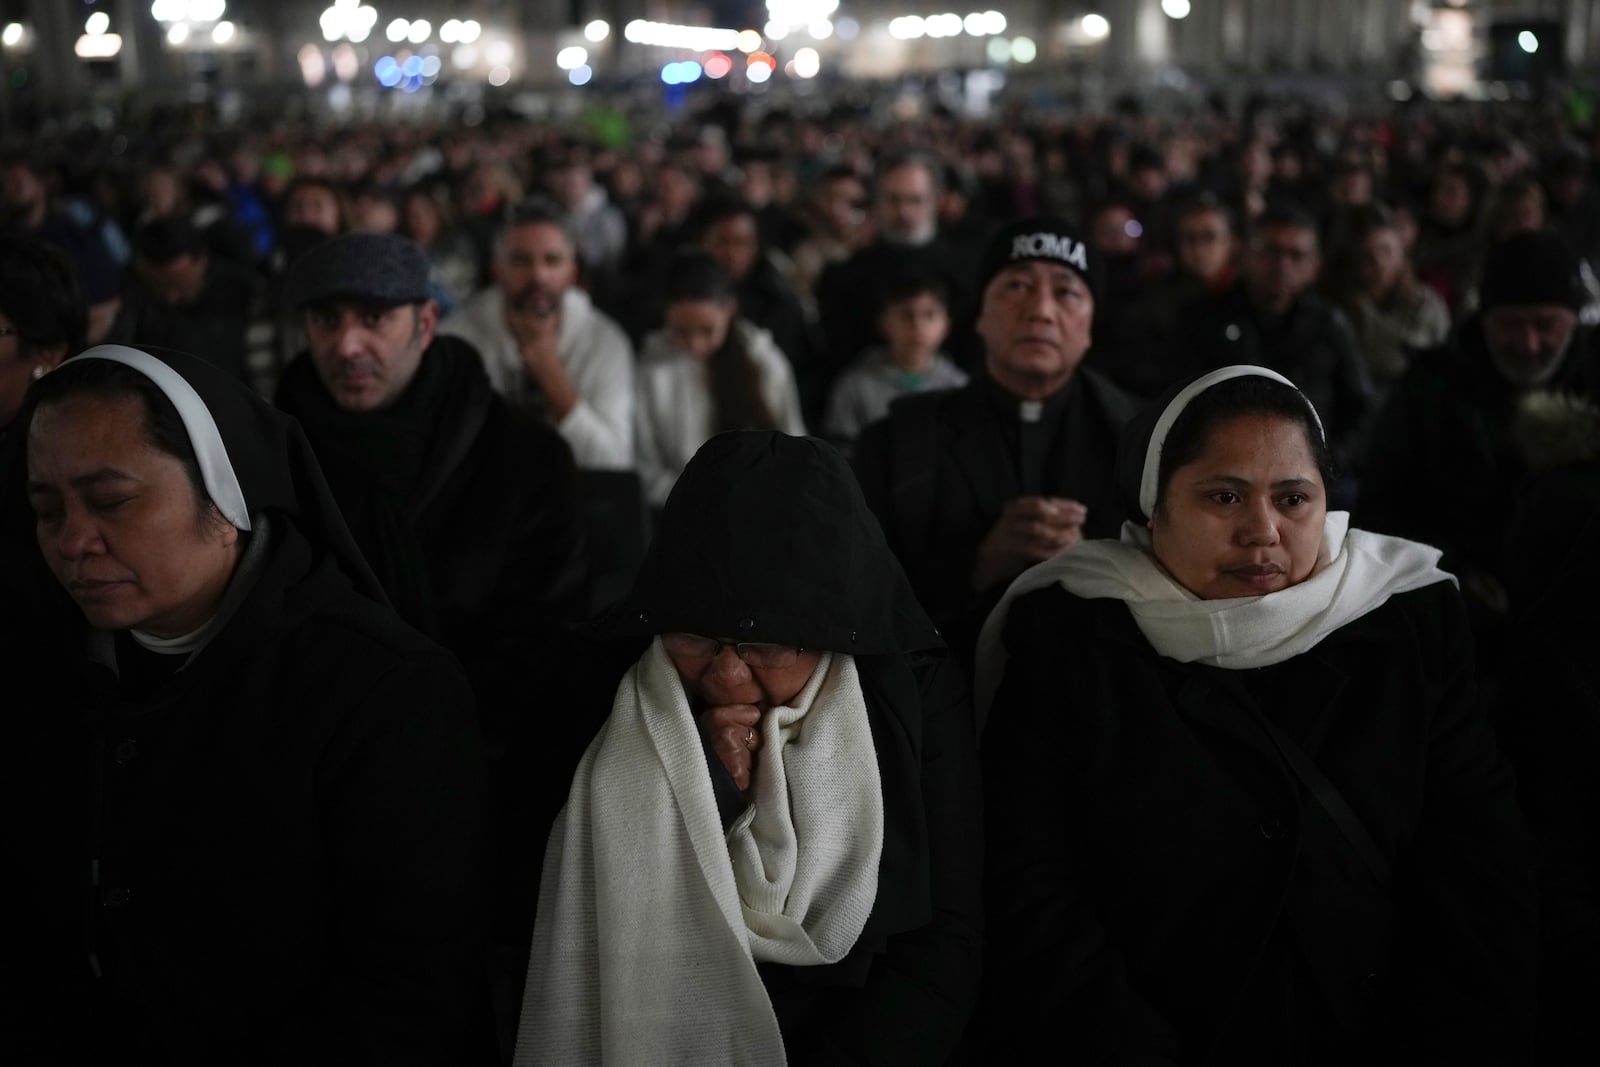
[[1274, 318], [771, 850]]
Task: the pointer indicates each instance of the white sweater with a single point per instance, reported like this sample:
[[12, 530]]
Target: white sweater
[[674, 410], [598, 358]]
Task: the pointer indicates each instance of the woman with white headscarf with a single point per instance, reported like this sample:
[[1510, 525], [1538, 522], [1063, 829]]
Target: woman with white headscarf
[[1243, 804], [255, 798]]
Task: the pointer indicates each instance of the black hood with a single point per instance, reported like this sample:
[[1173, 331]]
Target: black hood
[[766, 537]]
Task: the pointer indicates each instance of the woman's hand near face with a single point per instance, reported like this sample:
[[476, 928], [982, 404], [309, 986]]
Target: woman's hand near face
[[728, 726]]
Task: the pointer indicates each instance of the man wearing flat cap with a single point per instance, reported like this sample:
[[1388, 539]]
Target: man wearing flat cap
[[1440, 466], [975, 485], [466, 509]]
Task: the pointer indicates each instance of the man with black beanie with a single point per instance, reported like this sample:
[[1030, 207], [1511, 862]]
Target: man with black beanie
[[975, 485], [1440, 466]]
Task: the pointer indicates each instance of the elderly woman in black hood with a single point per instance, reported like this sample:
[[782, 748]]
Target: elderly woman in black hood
[[1266, 821], [771, 850], [255, 828]]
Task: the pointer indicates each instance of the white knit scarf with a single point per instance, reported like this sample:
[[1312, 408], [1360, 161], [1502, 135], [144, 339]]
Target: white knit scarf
[[1357, 571], [651, 920]]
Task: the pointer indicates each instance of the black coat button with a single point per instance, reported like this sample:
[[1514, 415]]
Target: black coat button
[[1370, 985], [1271, 828], [116, 896], [127, 751], [747, 624]]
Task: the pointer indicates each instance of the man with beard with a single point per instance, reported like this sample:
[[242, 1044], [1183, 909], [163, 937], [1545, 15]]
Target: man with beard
[[546, 346], [1440, 466]]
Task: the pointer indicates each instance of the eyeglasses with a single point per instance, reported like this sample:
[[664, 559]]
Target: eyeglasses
[[755, 653]]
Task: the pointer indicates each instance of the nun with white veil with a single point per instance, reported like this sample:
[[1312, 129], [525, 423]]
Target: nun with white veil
[[1243, 803], [255, 799]]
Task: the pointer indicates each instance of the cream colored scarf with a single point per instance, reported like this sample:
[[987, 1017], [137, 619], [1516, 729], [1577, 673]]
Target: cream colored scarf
[[1357, 571], [651, 920]]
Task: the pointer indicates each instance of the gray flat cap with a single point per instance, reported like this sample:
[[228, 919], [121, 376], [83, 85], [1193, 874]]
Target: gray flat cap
[[382, 269]]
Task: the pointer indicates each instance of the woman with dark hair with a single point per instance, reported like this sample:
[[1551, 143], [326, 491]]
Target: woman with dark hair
[[256, 806], [42, 318], [1266, 820], [729, 230], [426, 219], [706, 371], [771, 850]]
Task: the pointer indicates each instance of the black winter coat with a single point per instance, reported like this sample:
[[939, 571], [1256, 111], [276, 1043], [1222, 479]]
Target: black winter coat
[[493, 509], [1440, 465], [276, 857], [1162, 890], [1313, 346]]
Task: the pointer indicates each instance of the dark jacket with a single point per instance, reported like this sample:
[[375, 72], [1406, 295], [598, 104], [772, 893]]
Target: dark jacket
[[1139, 342], [1162, 890], [1548, 708], [288, 841], [767, 537], [468, 513], [1440, 466], [766, 299], [214, 327], [1313, 346], [940, 468]]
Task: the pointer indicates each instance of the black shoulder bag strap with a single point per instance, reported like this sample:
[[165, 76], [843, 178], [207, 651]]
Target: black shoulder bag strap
[[1328, 796]]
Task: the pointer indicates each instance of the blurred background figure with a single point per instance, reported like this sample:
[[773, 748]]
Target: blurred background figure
[[705, 371], [1370, 279]]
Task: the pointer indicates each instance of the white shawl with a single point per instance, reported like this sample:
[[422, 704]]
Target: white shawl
[[651, 920], [1357, 571]]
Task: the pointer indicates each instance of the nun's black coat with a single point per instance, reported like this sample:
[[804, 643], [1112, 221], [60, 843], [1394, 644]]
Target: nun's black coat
[[739, 553], [1162, 887], [276, 855]]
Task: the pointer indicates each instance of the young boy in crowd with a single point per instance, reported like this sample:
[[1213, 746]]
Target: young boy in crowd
[[913, 320]]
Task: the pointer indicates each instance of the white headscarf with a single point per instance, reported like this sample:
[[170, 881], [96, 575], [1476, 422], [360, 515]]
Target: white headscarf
[[652, 919], [1356, 572], [216, 470]]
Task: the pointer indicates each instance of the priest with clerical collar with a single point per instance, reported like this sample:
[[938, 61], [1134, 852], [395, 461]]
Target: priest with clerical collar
[[977, 484]]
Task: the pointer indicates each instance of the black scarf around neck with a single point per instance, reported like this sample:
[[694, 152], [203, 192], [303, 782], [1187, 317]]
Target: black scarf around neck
[[387, 466]]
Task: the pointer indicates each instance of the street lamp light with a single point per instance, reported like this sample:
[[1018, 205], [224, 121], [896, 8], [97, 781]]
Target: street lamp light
[[347, 19]]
